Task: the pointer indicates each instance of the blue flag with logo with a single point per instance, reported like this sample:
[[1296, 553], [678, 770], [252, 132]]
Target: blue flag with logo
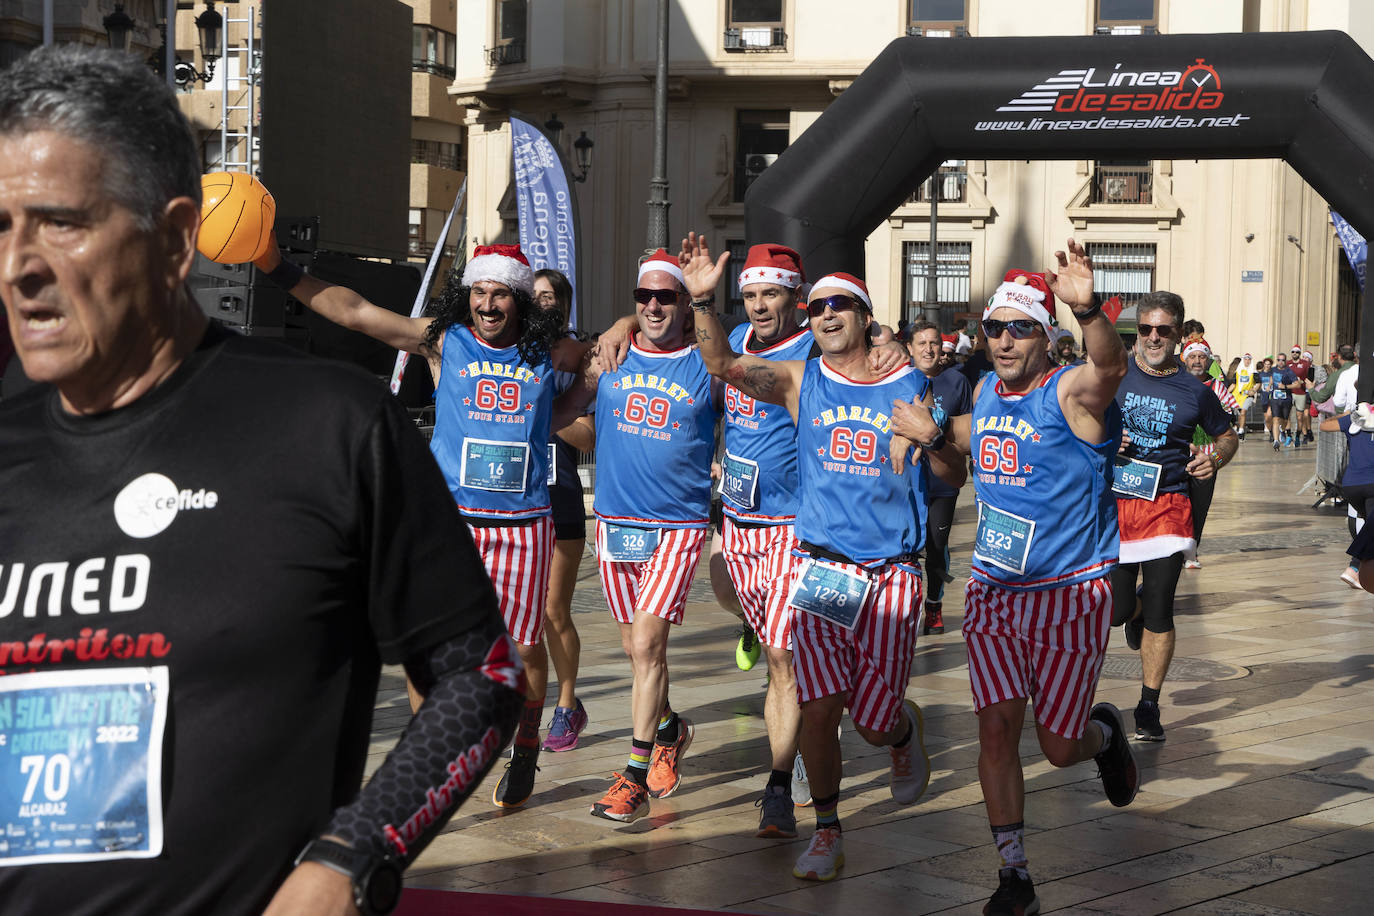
[[545, 206], [1356, 248]]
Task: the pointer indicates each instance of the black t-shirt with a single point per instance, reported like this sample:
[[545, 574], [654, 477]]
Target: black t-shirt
[[1160, 412], [269, 527]]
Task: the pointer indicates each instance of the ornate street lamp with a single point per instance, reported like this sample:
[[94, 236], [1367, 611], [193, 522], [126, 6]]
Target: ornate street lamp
[[118, 25]]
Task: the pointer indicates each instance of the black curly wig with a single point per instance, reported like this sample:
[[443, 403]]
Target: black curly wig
[[539, 328]]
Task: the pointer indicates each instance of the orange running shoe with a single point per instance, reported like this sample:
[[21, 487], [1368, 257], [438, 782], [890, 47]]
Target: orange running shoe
[[664, 777], [626, 801]]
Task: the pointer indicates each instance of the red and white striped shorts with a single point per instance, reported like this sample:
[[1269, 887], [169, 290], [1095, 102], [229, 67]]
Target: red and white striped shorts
[[871, 664], [1048, 645], [517, 559], [760, 563], [659, 585]]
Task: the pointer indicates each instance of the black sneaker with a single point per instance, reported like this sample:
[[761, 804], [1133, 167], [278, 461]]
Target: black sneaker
[[1147, 727], [1015, 896], [517, 783], [1135, 631], [935, 618], [1115, 765]]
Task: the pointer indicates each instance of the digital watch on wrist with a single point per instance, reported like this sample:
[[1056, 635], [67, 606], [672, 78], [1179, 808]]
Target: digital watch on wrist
[[376, 880]]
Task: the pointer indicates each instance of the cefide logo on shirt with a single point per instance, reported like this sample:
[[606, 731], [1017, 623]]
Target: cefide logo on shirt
[[148, 504]]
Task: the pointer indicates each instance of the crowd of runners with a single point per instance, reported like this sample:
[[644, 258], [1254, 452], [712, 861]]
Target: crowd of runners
[[837, 449]]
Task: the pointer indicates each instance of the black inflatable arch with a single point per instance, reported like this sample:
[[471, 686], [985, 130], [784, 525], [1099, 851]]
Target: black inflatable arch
[[1300, 96]]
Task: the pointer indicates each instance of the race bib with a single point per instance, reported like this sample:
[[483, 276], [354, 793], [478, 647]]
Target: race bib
[[490, 465], [739, 482], [553, 465], [830, 591], [623, 544], [81, 765], [1133, 477], [1003, 539]]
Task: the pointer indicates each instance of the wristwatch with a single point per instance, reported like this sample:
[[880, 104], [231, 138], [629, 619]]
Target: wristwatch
[[376, 881]]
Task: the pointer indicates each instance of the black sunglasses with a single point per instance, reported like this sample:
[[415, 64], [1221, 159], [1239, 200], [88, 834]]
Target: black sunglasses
[[1020, 328], [664, 296], [1164, 330], [816, 307]]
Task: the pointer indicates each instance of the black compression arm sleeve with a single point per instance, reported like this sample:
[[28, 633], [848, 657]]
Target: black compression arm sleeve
[[474, 687]]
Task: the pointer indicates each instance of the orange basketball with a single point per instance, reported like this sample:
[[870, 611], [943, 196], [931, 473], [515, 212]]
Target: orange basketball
[[236, 216]]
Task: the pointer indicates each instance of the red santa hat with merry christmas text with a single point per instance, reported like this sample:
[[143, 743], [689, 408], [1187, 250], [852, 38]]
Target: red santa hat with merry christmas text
[[499, 264], [1028, 293]]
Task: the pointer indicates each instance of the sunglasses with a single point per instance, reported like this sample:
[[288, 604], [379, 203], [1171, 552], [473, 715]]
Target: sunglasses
[[1020, 328], [1163, 330], [664, 296], [816, 307]]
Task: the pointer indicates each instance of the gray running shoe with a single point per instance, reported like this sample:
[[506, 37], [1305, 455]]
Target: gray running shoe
[[801, 786], [777, 821]]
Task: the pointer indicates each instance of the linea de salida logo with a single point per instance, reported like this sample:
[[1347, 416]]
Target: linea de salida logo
[[1120, 90], [149, 503]]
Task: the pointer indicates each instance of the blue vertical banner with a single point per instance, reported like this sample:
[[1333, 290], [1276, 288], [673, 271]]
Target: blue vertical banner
[[1356, 248], [545, 205]]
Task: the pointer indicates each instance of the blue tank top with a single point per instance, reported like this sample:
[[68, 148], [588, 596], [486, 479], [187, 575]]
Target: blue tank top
[[491, 428], [655, 437], [1029, 465], [759, 469], [851, 501]]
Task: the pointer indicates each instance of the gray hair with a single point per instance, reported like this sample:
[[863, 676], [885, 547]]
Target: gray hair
[[116, 105], [1162, 299]]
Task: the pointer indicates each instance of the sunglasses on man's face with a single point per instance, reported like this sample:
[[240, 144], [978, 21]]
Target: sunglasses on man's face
[[1020, 328], [816, 307], [1163, 330], [664, 296]]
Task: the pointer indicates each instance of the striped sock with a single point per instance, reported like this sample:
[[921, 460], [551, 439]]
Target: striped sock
[[638, 767], [527, 732], [827, 811], [1011, 846], [667, 726]]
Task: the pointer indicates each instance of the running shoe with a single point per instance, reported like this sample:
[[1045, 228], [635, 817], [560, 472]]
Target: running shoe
[[747, 650], [911, 764], [1115, 763], [566, 726], [935, 618], [626, 801], [1135, 631], [824, 858], [664, 777], [1147, 727], [776, 819], [1015, 896], [801, 786], [1276, 445], [517, 783], [1351, 577], [1194, 563]]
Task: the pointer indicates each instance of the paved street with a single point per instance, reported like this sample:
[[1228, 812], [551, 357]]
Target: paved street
[[1259, 802]]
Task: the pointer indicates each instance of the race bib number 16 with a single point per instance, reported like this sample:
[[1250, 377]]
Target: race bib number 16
[[81, 765]]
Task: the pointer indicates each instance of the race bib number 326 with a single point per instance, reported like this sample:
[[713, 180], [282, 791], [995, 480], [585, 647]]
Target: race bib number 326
[[81, 765]]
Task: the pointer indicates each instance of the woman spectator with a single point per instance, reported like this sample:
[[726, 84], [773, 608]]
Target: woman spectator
[[1357, 484]]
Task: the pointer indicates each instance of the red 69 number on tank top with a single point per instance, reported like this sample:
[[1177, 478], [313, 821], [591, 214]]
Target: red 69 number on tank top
[[737, 401], [506, 396], [853, 445], [996, 453], [640, 408]]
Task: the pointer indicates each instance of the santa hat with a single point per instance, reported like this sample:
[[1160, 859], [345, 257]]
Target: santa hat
[[775, 264], [1248, 356], [661, 260], [1295, 349], [1307, 355], [1196, 345], [847, 282], [948, 342], [499, 264], [1026, 292]]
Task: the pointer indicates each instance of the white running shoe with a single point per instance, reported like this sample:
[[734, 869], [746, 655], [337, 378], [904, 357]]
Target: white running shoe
[[801, 786], [911, 764], [824, 858]]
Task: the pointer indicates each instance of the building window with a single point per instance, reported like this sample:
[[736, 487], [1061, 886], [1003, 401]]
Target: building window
[[755, 25], [951, 183], [760, 136], [415, 238], [1127, 17], [1125, 269], [438, 154], [510, 34], [432, 51], [937, 18], [739, 252], [1122, 181], [953, 262]]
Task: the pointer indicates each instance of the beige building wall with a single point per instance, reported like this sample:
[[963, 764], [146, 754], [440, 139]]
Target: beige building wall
[[592, 62]]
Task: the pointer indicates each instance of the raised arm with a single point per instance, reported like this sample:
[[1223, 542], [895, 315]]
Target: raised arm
[[774, 381], [1087, 390], [343, 306]]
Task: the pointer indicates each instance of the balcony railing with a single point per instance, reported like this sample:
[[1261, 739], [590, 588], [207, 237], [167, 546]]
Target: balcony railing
[[925, 31], [1122, 184], [1125, 30], [950, 183], [432, 67], [438, 155], [512, 52], [761, 38]]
